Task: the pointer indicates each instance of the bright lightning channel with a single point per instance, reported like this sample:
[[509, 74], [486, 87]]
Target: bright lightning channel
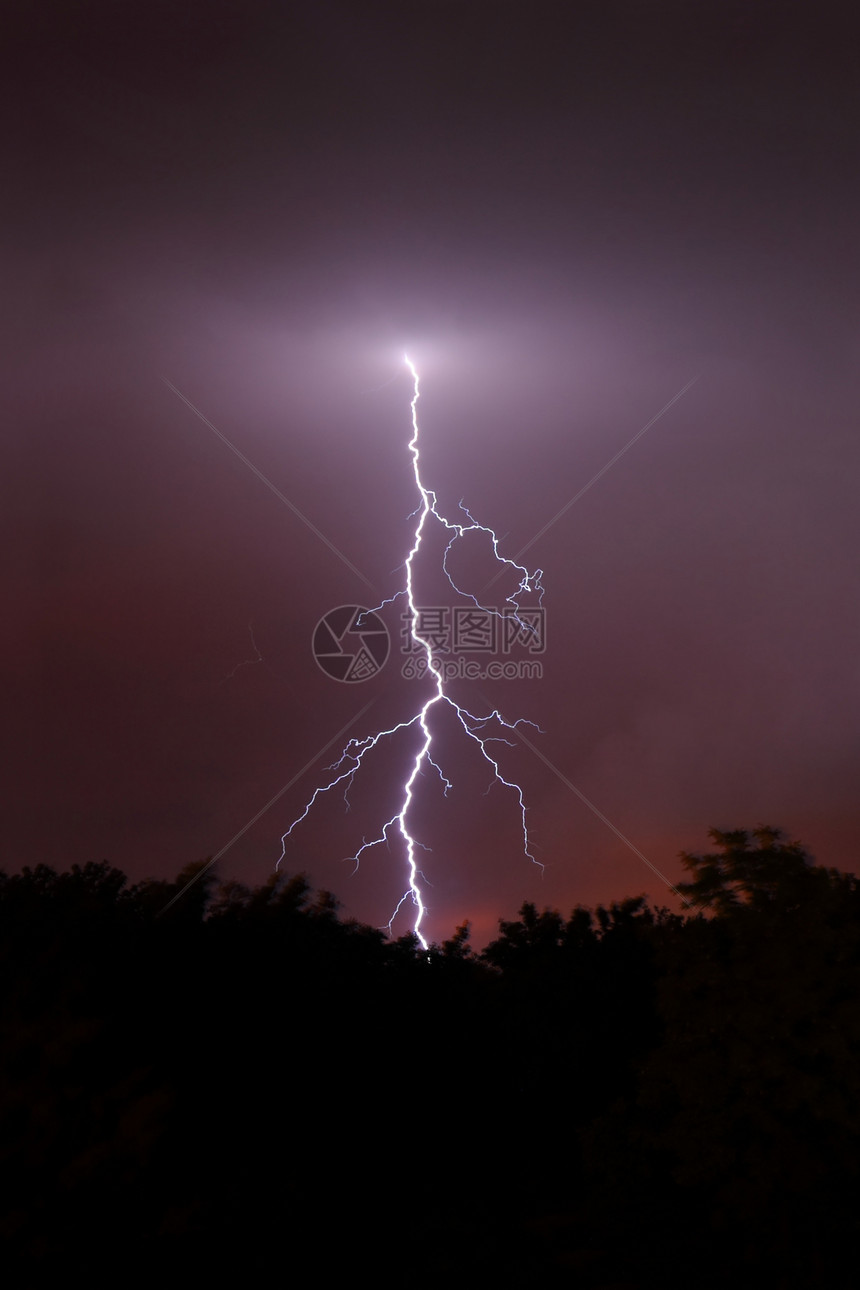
[[476, 727]]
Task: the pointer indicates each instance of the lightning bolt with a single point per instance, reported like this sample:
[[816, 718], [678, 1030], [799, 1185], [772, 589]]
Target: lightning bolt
[[481, 730]]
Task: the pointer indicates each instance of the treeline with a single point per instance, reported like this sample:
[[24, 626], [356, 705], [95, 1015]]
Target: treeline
[[240, 1082]]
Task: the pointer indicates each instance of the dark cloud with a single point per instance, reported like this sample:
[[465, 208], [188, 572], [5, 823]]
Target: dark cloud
[[565, 216]]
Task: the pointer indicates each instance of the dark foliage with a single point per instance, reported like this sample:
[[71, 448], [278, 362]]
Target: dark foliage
[[240, 1082]]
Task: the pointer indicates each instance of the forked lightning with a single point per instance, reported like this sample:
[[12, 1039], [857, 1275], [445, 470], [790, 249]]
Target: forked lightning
[[481, 730]]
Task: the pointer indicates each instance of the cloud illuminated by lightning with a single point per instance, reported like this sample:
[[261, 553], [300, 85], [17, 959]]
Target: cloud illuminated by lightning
[[481, 730]]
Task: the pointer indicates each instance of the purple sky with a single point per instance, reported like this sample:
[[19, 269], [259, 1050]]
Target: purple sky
[[564, 213]]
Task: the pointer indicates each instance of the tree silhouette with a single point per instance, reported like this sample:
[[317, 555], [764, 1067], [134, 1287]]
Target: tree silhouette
[[772, 875], [218, 1081], [746, 1108]]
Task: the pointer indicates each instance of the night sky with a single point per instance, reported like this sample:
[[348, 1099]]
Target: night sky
[[564, 213]]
